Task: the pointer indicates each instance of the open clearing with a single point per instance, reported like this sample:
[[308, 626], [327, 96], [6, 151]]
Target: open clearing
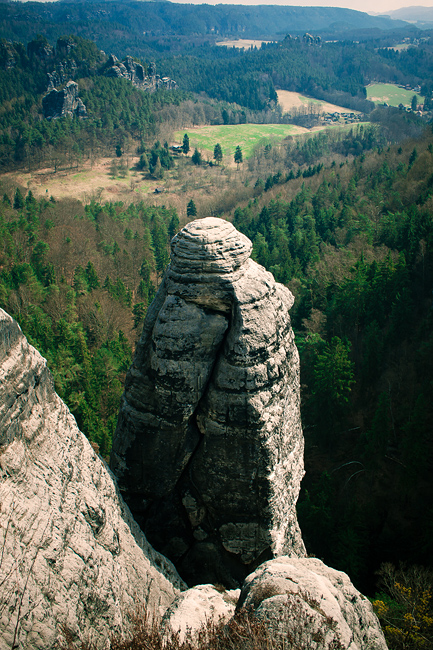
[[391, 94], [95, 182], [242, 43], [247, 136], [86, 183], [289, 100]]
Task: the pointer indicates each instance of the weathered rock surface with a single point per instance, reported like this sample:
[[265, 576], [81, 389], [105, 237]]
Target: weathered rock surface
[[143, 78], [64, 70], [59, 103], [208, 449], [70, 552], [193, 609], [306, 603]]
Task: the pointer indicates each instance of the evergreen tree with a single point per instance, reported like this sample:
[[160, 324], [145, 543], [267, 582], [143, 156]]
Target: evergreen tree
[[218, 153], [238, 156], [191, 210], [196, 157], [157, 170], [185, 144], [18, 200], [92, 276], [414, 103], [143, 162]]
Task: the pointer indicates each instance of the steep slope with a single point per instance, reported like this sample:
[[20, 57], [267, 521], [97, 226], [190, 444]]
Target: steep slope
[[208, 449], [70, 552]]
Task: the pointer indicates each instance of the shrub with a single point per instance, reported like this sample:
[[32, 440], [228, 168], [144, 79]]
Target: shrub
[[405, 608]]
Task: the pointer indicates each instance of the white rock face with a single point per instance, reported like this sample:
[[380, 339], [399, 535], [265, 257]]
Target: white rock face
[[312, 606], [208, 449], [70, 551], [196, 607]]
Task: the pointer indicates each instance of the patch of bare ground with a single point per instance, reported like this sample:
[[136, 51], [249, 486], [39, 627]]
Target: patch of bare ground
[[242, 43], [289, 100], [87, 182]]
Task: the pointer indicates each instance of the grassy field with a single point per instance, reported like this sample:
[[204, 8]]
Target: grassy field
[[392, 95], [247, 136]]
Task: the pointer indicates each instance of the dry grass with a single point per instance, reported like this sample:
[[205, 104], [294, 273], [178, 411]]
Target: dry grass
[[243, 632], [289, 100], [89, 181]]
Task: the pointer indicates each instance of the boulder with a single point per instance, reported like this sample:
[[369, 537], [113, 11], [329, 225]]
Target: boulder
[[309, 605], [70, 552], [208, 449], [59, 103], [195, 608]]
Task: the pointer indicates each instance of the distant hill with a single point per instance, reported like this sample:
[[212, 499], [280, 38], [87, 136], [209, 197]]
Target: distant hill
[[133, 22], [422, 17]]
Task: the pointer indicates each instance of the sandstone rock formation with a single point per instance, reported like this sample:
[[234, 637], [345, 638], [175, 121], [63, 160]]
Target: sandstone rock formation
[[64, 70], [208, 449], [59, 103], [70, 552], [193, 609], [306, 603], [145, 79]]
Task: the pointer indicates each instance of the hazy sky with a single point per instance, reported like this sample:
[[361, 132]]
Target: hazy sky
[[373, 6]]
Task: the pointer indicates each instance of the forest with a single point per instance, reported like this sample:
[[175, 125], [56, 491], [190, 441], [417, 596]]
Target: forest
[[343, 218]]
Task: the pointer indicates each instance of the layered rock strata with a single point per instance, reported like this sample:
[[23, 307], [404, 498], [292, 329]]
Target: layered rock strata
[[208, 449], [70, 551]]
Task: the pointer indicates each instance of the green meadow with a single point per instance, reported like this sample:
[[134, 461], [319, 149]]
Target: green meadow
[[392, 95], [247, 136]]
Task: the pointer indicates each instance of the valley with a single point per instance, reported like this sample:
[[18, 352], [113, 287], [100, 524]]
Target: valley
[[339, 213]]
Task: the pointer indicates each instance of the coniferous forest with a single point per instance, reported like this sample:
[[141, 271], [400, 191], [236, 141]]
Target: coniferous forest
[[343, 217]]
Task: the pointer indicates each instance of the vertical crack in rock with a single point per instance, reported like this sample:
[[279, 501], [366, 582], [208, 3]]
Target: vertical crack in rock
[[208, 448]]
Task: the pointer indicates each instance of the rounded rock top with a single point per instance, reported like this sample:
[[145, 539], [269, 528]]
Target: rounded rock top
[[209, 245]]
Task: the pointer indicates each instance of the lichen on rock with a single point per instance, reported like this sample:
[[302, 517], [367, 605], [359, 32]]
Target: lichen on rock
[[208, 449]]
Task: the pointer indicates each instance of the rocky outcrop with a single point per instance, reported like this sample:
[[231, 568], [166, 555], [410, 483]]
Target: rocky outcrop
[[64, 70], [59, 103], [208, 449], [9, 55], [195, 608], [306, 604], [70, 551], [140, 77]]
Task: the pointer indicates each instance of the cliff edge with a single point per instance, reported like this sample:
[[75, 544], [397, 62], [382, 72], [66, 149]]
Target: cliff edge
[[70, 551]]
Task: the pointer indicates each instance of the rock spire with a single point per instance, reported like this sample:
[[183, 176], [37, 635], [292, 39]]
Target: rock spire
[[208, 449]]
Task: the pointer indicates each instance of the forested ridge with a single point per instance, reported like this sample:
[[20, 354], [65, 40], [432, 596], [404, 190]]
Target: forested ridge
[[122, 27], [118, 114]]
